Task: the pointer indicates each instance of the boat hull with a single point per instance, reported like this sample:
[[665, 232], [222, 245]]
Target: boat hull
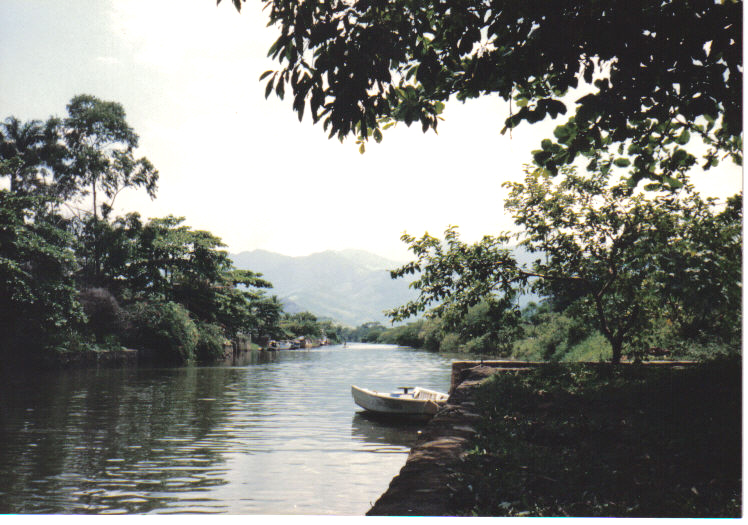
[[397, 404]]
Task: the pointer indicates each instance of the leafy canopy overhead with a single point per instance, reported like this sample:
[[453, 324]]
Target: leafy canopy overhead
[[660, 71]]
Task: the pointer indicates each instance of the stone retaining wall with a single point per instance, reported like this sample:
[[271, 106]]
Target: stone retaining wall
[[426, 484]]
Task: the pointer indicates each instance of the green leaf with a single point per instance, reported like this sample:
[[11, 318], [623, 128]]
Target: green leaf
[[622, 162], [680, 155], [683, 138], [562, 133]]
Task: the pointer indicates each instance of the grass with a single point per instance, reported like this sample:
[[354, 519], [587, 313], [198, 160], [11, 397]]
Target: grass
[[627, 441]]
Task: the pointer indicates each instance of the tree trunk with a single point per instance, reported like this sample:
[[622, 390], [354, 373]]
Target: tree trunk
[[93, 192], [617, 346]]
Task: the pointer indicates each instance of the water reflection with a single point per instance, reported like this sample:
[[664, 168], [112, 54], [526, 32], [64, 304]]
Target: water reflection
[[110, 440], [277, 435], [377, 430]]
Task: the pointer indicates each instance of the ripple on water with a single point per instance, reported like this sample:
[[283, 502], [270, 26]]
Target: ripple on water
[[267, 438]]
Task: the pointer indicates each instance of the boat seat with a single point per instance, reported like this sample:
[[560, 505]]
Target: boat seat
[[420, 394]]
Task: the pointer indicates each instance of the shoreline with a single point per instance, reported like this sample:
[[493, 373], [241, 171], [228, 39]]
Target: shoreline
[[426, 485], [437, 476]]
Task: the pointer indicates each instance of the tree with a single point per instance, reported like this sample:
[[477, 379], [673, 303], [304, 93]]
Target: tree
[[31, 151], [603, 247], [171, 260], [301, 324], [242, 306], [266, 315], [101, 146], [659, 72], [700, 274], [37, 292]]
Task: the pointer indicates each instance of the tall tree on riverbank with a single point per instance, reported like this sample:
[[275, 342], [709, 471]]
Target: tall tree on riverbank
[[101, 159], [657, 72]]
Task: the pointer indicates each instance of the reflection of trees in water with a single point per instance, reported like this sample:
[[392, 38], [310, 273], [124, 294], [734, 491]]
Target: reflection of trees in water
[[254, 357], [111, 439]]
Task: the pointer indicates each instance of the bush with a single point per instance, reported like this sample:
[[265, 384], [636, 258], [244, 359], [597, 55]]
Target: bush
[[546, 338], [105, 316], [210, 338], [592, 349], [164, 330], [481, 345], [450, 343]]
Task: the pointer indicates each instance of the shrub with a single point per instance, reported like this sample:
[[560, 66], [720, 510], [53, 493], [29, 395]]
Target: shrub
[[164, 330], [593, 348], [210, 338], [450, 343], [105, 316], [481, 345]]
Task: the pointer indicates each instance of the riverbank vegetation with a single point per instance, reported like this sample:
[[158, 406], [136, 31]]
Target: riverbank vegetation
[[634, 441], [75, 278], [624, 273]]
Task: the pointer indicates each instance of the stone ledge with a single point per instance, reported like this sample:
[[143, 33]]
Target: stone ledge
[[427, 483], [424, 485]]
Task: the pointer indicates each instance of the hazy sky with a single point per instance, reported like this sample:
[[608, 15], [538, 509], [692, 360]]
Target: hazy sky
[[241, 166]]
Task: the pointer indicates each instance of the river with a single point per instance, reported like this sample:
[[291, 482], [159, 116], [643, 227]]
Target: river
[[276, 434]]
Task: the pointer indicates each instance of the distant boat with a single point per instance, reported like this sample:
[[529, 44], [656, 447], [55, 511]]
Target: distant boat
[[419, 401], [279, 345]]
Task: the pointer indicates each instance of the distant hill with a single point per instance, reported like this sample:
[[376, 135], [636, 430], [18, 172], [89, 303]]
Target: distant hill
[[350, 286]]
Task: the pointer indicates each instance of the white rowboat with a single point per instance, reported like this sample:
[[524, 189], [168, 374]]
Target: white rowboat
[[419, 401]]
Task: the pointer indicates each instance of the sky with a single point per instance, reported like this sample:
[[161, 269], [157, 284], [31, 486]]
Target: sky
[[242, 166]]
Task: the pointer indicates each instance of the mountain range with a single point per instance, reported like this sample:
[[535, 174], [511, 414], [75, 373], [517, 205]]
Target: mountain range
[[349, 286]]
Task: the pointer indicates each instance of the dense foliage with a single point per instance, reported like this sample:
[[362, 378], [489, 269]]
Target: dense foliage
[[655, 73], [630, 262], [37, 289], [306, 325], [72, 277]]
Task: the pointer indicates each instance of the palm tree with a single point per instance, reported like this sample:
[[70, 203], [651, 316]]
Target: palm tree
[[27, 150]]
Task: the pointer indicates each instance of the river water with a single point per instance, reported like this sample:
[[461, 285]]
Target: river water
[[277, 434]]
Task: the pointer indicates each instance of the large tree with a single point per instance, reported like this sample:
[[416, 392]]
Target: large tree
[[170, 260], [659, 71], [37, 292], [625, 259], [100, 153]]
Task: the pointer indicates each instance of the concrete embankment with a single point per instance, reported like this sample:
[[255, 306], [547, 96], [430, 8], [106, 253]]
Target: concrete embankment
[[427, 484]]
